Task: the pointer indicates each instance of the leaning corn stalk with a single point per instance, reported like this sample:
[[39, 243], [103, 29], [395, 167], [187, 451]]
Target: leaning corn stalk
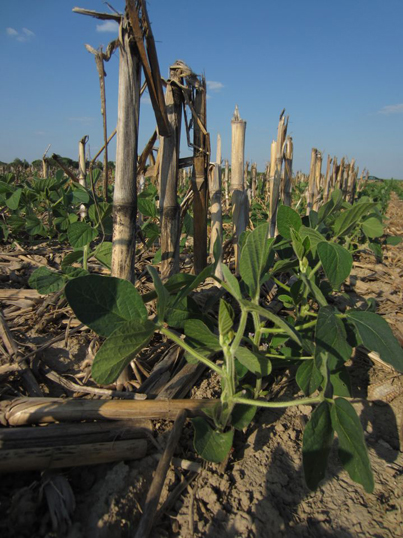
[[239, 200], [100, 57], [201, 152], [169, 173]]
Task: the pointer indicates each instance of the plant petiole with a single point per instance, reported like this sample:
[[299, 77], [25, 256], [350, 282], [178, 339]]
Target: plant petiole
[[289, 403], [178, 340]]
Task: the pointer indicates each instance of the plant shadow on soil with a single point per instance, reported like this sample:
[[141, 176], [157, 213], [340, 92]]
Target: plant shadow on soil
[[285, 506]]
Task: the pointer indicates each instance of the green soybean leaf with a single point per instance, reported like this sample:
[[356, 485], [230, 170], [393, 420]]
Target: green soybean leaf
[[162, 292], [331, 338], [14, 200], [198, 279], [120, 348], [147, 207], [103, 303], [376, 335], [242, 416], [104, 208], [313, 218], [281, 266], [96, 174], [74, 272], [393, 240], [347, 220], [313, 288], [287, 218], [255, 363], [314, 237], [72, 257], [255, 259], [372, 227], [377, 250], [331, 206], [34, 226], [231, 283], [174, 284], [340, 381], [240, 369], [200, 335], [178, 312], [225, 317], [81, 234], [210, 444], [318, 439], [16, 223], [297, 244], [336, 261], [46, 281], [308, 377], [79, 195], [188, 225], [352, 450], [103, 253]]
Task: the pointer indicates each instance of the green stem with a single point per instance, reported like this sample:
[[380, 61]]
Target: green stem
[[273, 356], [315, 270], [274, 330], [85, 257], [240, 332], [178, 340], [292, 403], [281, 285]]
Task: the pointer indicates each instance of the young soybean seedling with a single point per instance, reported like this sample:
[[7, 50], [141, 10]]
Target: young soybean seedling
[[249, 340]]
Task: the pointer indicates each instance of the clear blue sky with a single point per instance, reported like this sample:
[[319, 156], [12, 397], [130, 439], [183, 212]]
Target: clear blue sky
[[336, 66]]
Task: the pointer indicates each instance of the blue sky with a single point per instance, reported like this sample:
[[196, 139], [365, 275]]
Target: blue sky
[[336, 66]]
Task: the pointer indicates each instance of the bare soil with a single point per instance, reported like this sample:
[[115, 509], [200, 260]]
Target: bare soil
[[260, 492]]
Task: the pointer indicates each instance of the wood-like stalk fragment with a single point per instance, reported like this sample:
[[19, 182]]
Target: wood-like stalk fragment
[[318, 181], [73, 434], [226, 184], [125, 192], [23, 411], [154, 493], [10, 344], [276, 178], [30, 459], [199, 179], [169, 172], [326, 188], [216, 206], [311, 184], [253, 180], [82, 169], [240, 205], [287, 182]]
